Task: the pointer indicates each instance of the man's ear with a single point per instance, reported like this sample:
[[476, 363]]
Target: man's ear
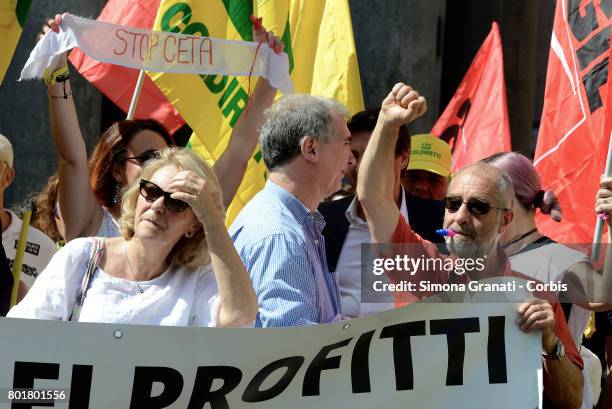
[[310, 148], [404, 158], [507, 217], [8, 177]]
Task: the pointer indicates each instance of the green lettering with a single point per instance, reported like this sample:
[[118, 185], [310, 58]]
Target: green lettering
[[196, 28], [287, 40], [171, 13], [214, 87], [228, 92], [236, 105]]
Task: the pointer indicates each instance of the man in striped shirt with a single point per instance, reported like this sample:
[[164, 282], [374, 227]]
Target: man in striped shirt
[[305, 146]]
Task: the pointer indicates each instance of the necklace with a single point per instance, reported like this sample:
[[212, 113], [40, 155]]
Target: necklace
[[130, 266], [519, 238]]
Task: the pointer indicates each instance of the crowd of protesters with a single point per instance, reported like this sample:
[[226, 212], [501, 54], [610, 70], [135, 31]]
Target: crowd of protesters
[[145, 237]]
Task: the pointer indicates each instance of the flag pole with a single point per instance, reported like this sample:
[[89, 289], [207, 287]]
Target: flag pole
[[18, 262], [136, 95], [600, 222]]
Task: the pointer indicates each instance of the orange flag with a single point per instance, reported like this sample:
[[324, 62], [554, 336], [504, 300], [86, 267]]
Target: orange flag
[[118, 83], [475, 122], [572, 143]]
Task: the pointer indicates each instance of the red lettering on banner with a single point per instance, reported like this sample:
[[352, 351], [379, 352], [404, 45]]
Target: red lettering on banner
[[145, 47], [182, 51], [166, 47], [153, 43], [134, 36], [208, 50], [122, 39]]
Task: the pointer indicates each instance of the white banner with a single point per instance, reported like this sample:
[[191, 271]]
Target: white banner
[[420, 356], [158, 51]]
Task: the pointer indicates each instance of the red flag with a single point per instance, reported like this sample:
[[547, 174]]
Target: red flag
[[607, 134], [118, 83], [475, 122], [572, 145]]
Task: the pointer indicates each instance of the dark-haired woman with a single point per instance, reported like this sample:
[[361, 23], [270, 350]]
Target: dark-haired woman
[[89, 194]]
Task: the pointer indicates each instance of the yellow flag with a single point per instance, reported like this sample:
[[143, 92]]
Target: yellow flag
[[13, 14], [318, 38]]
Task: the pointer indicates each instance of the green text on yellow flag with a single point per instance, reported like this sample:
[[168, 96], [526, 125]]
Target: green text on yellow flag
[[318, 38]]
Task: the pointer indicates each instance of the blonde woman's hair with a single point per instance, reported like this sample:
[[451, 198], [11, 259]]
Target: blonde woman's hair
[[191, 252]]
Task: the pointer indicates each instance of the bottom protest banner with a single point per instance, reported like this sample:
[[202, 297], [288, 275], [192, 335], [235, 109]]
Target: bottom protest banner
[[420, 356]]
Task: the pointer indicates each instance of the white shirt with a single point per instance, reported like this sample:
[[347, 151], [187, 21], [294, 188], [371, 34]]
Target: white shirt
[[548, 263], [348, 268], [38, 251], [109, 227], [177, 297]]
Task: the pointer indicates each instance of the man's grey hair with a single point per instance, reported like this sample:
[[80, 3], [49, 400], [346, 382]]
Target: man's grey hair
[[292, 118], [504, 191]]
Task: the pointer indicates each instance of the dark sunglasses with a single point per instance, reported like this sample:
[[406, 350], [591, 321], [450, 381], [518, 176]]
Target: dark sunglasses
[[151, 192], [475, 206], [145, 156]]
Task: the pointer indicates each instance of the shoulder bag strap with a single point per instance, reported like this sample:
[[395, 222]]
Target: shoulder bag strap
[[97, 251]]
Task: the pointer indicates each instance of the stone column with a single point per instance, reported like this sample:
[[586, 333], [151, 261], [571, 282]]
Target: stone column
[[400, 41]]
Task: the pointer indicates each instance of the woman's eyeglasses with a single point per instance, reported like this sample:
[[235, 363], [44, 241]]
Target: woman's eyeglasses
[[151, 192], [145, 156], [475, 206]]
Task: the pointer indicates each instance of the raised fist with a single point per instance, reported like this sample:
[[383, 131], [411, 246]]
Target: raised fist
[[402, 106]]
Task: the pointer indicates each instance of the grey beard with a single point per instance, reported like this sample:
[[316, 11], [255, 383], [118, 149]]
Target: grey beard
[[467, 250]]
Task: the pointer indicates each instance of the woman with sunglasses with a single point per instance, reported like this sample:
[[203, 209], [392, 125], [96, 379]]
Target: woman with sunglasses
[[174, 264], [538, 256], [88, 195]]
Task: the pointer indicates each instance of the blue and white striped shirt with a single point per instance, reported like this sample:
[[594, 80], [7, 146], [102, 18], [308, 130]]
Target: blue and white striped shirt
[[280, 243]]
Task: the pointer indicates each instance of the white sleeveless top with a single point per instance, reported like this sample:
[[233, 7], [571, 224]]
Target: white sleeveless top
[[109, 227], [177, 297]]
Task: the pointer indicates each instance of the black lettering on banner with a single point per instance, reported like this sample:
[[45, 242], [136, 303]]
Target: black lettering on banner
[[583, 25], [496, 350], [360, 365], [80, 386], [312, 377], [402, 351], [253, 393], [593, 48], [145, 376], [24, 375], [455, 330], [580, 25], [202, 393], [594, 79], [451, 134]]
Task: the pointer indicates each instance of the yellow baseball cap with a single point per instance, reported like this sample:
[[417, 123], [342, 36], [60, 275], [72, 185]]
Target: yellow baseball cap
[[430, 153]]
